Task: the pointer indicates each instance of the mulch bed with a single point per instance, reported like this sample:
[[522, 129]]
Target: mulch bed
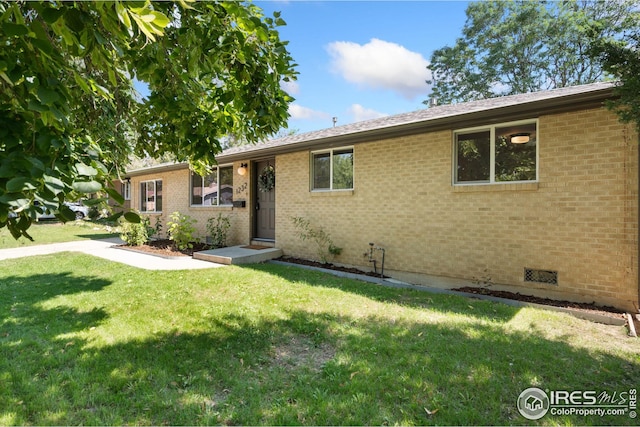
[[165, 247], [607, 311], [328, 266]]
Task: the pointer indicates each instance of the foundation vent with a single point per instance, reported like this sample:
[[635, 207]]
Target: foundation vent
[[541, 276]]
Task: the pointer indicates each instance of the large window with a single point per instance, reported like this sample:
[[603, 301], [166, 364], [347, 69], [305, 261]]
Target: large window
[[215, 189], [151, 196], [332, 169], [501, 153]]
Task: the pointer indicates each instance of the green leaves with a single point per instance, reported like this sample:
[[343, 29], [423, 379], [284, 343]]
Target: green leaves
[[47, 96], [19, 184], [13, 30], [66, 213], [71, 117], [620, 59], [85, 170], [117, 197], [51, 15], [87, 187], [54, 185], [132, 217], [149, 21], [225, 79], [123, 14], [510, 47]]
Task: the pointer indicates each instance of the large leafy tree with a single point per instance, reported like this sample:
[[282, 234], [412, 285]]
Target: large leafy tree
[[620, 57], [510, 47], [70, 117]]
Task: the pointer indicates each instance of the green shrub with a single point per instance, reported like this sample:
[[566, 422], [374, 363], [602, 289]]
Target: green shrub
[[182, 231], [324, 245], [157, 229], [135, 234], [217, 229]]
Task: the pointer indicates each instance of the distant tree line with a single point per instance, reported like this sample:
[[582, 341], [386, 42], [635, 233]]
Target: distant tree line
[[511, 47]]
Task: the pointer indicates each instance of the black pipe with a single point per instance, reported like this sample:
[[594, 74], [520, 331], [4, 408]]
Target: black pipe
[[374, 261]]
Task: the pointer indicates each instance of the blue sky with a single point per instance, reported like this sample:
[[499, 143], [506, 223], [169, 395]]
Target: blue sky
[[359, 60]]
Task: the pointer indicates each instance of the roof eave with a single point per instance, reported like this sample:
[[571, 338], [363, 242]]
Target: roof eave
[[156, 169], [593, 99]]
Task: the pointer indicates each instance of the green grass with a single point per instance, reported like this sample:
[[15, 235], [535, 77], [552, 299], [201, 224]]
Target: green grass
[[86, 341], [52, 232]]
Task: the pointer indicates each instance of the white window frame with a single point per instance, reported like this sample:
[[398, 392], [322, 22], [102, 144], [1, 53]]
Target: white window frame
[[331, 151], [126, 190], [155, 195], [492, 160], [217, 172]]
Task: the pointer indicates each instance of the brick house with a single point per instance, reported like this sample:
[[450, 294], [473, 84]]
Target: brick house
[[535, 192]]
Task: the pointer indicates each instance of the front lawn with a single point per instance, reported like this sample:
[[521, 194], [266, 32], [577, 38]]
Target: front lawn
[[87, 341], [45, 232]]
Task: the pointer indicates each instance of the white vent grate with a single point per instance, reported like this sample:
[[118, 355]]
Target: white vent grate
[[541, 276]]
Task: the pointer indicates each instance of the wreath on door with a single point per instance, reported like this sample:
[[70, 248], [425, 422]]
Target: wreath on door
[[267, 179]]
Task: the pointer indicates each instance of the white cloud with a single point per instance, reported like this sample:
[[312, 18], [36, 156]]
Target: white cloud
[[291, 87], [298, 112], [359, 113], [381, 64]]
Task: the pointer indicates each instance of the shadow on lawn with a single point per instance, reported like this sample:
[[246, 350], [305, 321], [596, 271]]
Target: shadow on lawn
[[20, 306], [37, 287], [100, 236], [253, 372], [442, 303]]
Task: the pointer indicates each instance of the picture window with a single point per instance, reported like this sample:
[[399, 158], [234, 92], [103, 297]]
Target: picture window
[[151, 196], [215, 189], [332, 169], [496, 154]]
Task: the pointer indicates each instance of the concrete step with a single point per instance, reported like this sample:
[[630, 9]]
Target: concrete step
[[263, 242], [243, 254]]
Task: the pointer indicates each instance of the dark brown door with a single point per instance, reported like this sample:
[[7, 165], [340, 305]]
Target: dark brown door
[[265, 204]]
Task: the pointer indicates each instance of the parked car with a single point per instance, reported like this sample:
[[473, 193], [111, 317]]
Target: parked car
[[80, 210]]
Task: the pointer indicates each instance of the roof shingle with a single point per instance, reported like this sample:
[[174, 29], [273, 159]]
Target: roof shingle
[[424, 116]]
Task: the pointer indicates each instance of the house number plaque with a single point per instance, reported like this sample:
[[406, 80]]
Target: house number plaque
[[241, 189]]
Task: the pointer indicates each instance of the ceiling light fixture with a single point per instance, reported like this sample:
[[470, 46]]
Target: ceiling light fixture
[[520, 138]]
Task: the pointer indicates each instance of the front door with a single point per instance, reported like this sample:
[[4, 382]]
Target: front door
[[265, 203]]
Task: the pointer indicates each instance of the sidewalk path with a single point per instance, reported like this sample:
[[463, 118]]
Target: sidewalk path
[[105, 249]]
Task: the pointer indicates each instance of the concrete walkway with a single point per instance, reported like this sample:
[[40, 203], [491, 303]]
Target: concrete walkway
[[106, 249]]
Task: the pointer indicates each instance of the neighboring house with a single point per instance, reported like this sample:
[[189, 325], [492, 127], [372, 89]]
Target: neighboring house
[[536, 191]]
